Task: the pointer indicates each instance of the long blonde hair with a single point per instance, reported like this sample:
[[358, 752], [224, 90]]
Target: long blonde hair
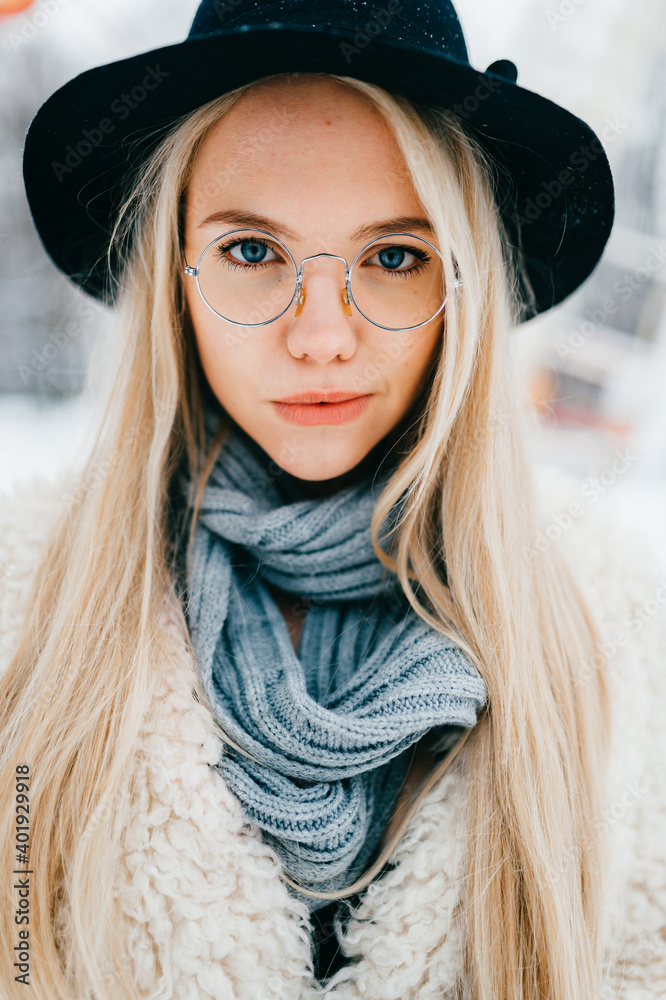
[[84, 673]]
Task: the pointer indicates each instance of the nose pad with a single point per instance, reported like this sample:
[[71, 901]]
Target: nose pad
[[301, 302], [345, 302]]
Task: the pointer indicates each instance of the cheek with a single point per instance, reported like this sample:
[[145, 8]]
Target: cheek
[[413, 356], [225, 352]]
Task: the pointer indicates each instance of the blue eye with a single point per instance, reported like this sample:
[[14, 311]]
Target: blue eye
[[251, 252], [392, 257], [400, 260]]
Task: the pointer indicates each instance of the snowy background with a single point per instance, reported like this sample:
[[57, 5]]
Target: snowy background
[[605, 60]]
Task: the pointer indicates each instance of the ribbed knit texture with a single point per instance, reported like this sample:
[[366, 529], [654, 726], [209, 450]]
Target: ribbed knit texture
[[333, 725]]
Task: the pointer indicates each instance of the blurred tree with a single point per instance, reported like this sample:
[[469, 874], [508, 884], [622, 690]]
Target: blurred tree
[[36, 301], [46, 324]]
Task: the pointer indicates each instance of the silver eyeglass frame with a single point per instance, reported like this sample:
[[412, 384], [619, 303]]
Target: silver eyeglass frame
[[193, 272]]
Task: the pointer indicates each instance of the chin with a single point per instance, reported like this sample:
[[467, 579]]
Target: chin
[[319, 460], [318, 471]]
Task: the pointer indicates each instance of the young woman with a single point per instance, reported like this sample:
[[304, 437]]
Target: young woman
[[295, 699]]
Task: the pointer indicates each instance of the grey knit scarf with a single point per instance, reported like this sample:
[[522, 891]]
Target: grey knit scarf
[[333, 725]]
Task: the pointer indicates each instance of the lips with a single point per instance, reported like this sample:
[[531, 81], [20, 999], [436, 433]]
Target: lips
[[328, 411], [320, 396]]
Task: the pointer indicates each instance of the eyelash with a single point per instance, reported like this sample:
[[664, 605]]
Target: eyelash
[[224, 247], [422, 257]]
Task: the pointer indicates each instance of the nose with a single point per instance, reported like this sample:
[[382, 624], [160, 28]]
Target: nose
[[320, 325], [302, 294]]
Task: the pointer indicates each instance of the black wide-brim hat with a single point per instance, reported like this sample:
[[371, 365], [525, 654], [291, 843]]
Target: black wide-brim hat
[[552, 179]]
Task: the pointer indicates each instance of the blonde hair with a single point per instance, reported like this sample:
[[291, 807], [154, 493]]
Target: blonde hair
[[86, 667]]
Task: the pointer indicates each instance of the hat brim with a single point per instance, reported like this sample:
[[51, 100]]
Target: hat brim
[[553, 181]]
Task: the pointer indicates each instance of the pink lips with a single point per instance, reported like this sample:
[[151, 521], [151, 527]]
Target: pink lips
[[319, 396], [325, 407]]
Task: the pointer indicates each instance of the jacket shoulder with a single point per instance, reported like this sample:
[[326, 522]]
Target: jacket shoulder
[[625, 586]]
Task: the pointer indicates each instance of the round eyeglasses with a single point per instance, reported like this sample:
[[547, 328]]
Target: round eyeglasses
[[248, 277]]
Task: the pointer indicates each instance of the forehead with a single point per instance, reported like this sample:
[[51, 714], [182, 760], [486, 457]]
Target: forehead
[[302, 148], [300, 125]]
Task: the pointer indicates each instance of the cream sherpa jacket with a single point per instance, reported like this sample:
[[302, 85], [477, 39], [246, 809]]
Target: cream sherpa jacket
[[207, 914]]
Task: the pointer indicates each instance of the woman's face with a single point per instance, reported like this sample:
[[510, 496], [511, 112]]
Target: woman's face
[[315, 160]]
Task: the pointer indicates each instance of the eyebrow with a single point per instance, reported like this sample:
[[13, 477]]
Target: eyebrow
[[249, 220]]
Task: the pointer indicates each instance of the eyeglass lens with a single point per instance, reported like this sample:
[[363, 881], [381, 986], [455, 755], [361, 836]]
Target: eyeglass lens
[[249, 278]]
